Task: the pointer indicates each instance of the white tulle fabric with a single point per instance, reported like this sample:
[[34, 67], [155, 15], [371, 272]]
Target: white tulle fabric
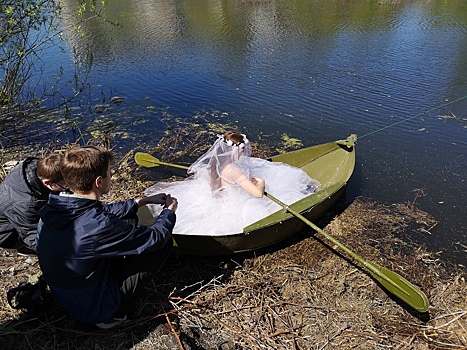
[[228, 209], [217, 159]]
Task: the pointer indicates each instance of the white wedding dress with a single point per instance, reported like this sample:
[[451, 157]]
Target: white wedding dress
[[231, 208]]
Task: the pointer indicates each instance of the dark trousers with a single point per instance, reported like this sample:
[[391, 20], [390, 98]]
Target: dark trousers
[[134, 272], [10, 240], [9, 237]]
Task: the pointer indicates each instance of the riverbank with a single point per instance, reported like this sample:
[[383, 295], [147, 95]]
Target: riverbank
[[300, 294]]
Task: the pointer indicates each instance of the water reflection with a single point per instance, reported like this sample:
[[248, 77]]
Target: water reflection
[[269, 47], [156, 30]]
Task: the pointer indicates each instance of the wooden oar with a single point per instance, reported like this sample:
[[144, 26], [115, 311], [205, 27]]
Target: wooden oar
[[391, 281], [148, 161]]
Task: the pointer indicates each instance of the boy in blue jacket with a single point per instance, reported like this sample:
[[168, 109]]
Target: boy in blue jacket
[[93, 260]]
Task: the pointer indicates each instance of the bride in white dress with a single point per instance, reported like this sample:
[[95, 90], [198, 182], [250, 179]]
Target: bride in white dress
[[225, 192]]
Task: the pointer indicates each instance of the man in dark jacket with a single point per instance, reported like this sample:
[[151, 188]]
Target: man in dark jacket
[[23, 192], [92, 259]]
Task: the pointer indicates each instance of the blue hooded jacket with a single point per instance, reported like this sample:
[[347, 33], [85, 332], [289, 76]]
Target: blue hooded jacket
[[77, 239]]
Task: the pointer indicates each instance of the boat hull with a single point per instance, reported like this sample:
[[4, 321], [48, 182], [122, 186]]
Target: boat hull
[[332, 164], [256, 239]]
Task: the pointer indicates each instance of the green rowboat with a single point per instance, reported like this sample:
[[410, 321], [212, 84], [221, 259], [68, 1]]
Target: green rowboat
[[332, 164]]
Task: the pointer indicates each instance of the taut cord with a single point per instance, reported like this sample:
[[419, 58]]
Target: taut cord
[[413, 117]]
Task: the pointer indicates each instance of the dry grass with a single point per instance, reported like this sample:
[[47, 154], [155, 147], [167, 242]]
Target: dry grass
[[306, 297], [299, 294]]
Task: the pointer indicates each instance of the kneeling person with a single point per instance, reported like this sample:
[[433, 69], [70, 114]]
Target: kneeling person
[[23, 192], [93, 260]]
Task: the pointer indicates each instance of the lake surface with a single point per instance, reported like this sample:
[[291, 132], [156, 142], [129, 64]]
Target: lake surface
[[394, 72]]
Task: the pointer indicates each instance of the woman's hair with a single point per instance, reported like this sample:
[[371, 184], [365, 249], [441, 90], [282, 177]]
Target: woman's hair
[[81, 166], [48, 168], [236, 139]]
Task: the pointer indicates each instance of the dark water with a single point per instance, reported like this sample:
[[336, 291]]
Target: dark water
[[316, 70]]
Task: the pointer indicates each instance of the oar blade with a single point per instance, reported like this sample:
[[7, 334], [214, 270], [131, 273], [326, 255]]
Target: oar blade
[[394, 283], [399, 286], [146, 160]]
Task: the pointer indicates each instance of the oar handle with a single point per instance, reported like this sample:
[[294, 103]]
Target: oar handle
[[174, 165], [313, 226]]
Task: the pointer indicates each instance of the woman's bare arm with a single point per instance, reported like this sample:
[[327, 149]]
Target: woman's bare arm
[[255, 186]]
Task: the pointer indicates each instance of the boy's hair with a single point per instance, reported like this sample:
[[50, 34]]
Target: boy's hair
[[81, 166], [48, 168]]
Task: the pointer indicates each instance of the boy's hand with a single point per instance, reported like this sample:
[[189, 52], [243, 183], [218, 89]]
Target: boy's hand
[[171, 203], [159, 198], [166, 200]]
